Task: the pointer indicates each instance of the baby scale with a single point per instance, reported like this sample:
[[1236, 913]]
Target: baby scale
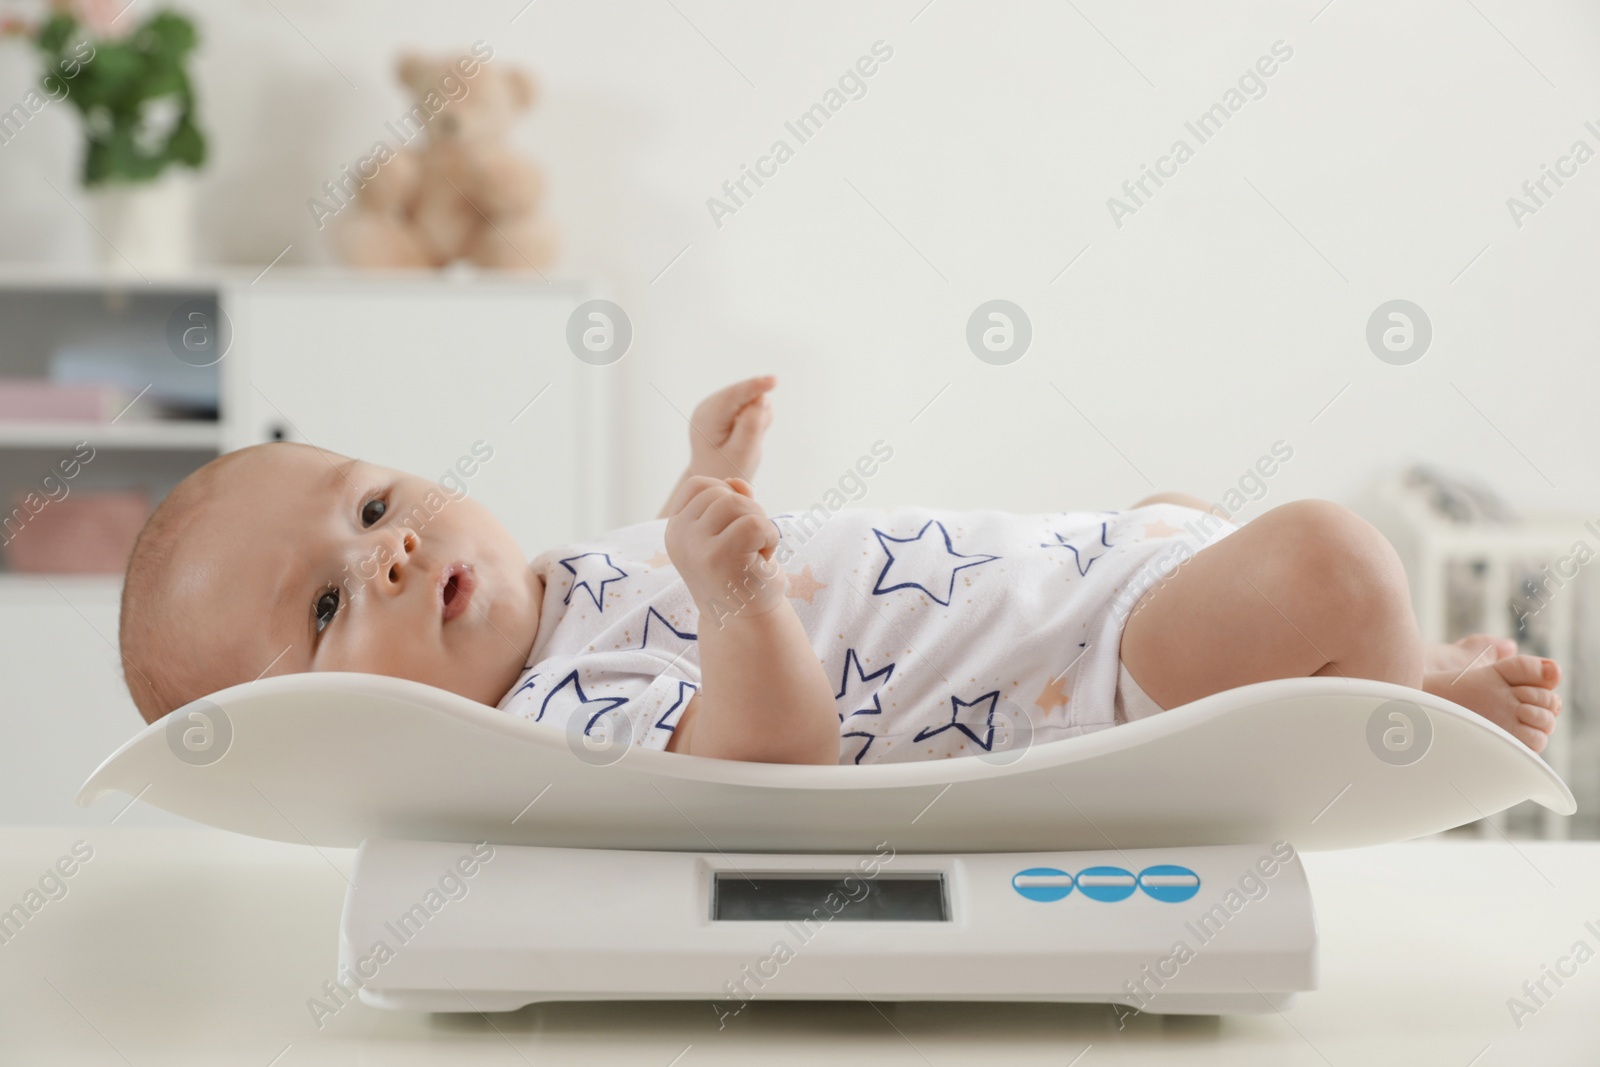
[[1153, 865]]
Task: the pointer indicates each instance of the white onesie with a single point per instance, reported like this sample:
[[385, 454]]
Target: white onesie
[[939, 631]]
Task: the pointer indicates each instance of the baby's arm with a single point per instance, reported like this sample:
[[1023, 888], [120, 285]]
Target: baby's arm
[[725, 433], [764, 696]]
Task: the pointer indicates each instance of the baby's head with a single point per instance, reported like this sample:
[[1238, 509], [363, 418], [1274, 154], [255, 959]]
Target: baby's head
[[283, 558]]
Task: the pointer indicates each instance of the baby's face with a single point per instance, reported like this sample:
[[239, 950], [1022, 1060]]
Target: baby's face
[[306, 560]]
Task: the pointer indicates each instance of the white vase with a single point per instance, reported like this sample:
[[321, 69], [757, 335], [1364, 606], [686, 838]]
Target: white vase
[[144, 228]]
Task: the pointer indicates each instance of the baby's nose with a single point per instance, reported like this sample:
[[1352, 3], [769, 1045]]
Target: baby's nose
[[400, 556]]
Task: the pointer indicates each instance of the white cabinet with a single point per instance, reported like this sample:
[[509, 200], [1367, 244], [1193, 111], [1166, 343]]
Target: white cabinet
[[412, 372]]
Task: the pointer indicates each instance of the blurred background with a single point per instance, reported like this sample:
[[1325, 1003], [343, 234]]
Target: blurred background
[[398, 229]]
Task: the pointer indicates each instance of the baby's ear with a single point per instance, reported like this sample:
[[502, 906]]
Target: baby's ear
[[524, 89]]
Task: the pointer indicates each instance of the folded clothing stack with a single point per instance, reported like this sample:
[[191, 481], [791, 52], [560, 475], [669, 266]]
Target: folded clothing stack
[[26, 399], [89, 532], [171, 387]]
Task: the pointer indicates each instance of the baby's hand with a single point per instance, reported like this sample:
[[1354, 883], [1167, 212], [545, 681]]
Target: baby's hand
[[726, 429], [722, 542]]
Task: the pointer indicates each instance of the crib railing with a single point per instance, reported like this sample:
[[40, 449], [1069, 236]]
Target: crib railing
[[1524, 580]]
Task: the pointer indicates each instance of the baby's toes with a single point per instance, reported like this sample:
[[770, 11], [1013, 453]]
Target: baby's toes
[[1528, 670], [1534, 713], [1548, 699], [1543, 698], [1531, 736]]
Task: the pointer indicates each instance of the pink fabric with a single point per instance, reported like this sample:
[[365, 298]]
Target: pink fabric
[[87, 532], [30, 398]]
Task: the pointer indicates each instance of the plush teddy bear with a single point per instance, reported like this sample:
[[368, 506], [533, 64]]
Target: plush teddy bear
[[461, 194]]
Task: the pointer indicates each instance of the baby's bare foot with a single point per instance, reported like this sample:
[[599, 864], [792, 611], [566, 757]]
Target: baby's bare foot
[[1516, 693], [1469, 651]]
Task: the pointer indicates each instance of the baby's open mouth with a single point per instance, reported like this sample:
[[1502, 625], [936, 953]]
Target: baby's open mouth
[[455, 589]]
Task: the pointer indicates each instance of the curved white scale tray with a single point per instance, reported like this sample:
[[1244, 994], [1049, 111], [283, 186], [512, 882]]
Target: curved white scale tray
[[332, 758]]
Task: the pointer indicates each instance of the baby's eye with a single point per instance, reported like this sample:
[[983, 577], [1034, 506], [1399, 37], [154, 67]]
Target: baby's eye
[[379, 504], [320, 610]]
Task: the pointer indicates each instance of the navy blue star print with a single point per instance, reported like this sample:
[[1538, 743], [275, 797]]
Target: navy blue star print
[[611, 703], [857, 702], [861, 733], [1082, 560], [956, 704], [668, 637], [925, 563], [684, 689], [592, 571]]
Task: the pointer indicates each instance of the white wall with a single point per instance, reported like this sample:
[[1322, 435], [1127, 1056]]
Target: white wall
[[1193, 337]]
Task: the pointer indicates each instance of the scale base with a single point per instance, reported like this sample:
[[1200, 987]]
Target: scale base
[[438, 927], [446, 1001]]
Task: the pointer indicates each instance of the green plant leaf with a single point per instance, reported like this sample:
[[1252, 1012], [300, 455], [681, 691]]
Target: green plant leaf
[[162, 77], [115, 89], [96, 163], [176, 34], [187, 145], [112, 80], [54, 34]]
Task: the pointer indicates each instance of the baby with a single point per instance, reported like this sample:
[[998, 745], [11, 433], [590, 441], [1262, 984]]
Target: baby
[[835, 635]]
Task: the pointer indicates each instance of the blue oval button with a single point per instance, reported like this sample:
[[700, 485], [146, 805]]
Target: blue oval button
[[1169, 883], [1106, 883], [1042, 883]]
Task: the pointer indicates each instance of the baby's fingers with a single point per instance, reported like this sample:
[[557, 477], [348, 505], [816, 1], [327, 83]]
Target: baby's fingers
[[739, 394], [771, 541], [751, 422], [720, 407], [695, 495], [729, 505], [750, 532]]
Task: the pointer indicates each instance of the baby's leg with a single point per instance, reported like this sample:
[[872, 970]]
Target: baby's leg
[[1307, 588], [1311, 588], [1467, 651]]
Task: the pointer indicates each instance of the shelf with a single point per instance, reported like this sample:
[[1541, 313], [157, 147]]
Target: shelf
[[152, 433], [221, 277]]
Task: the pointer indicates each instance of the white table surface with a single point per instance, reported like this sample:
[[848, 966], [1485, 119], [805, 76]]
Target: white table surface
[[180, 946]]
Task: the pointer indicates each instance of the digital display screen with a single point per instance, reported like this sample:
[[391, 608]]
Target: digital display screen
[[779, 897]]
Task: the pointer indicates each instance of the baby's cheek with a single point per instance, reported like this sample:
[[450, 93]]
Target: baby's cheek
[[367, 648]]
